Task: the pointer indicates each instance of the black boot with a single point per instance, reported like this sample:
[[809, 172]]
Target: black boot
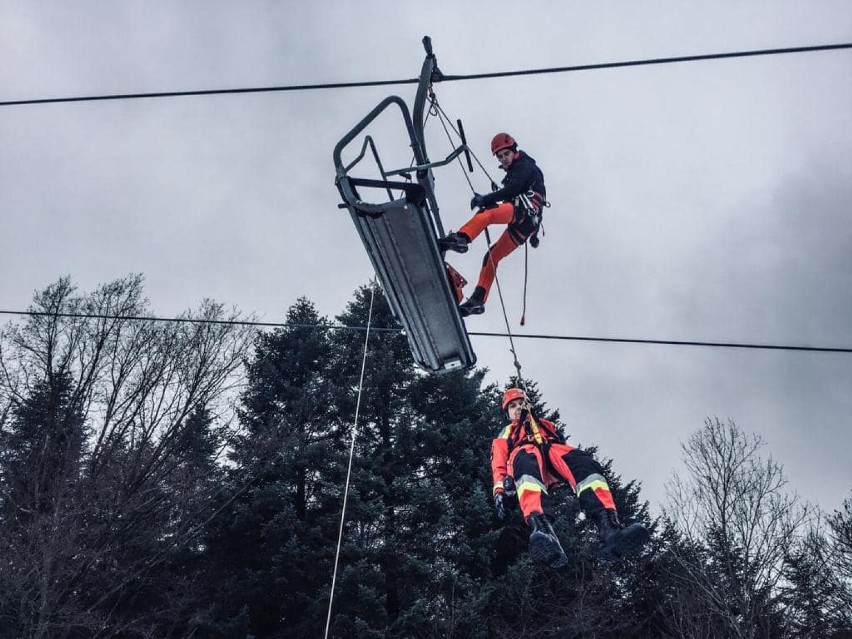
[[454, 242], [475, 304], [544, 544], [618, 541]]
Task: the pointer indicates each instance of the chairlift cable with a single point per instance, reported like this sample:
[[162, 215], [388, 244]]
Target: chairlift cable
[[395, 329]]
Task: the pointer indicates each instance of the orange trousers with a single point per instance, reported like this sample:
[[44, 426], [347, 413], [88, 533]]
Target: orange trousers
[[502, 214], [534, 475]]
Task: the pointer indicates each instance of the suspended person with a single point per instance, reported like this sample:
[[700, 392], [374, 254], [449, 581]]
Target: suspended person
[[528, 458], [518, 204]]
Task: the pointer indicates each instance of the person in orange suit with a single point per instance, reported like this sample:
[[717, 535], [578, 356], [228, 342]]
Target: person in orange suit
[[518, 205], [528, 457]]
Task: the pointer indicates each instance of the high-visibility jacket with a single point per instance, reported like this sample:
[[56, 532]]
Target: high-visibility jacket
[[540, 432]]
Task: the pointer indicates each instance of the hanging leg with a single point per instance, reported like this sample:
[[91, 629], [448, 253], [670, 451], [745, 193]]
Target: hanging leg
[[585, 475], [527, 468]]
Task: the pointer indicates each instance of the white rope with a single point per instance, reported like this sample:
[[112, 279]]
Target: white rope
[[351, 455], [505, 315]]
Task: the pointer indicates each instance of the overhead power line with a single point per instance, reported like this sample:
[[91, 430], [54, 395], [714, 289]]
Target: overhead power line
[[574, 338], [671, 342], [445, 78]]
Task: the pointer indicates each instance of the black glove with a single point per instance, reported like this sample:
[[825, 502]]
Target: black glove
[[477, 201], [534, 240], [509, 486], [500, 507]]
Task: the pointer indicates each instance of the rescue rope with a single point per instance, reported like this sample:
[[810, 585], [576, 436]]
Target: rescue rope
[[444, 118], [526, 276], [516, 363], [351, 455]]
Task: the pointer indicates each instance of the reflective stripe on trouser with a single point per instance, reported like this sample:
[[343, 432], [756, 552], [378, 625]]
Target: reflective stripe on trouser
[[505, 244], [525, 466], [585, 475]]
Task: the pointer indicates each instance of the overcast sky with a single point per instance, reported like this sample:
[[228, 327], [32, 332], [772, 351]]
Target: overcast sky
[[706, 201]]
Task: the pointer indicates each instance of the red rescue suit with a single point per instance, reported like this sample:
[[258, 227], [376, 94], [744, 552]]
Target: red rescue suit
[[535, 455]]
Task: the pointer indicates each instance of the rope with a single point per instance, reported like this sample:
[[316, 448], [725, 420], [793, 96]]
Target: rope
[[351, 455], [526, 276], [445, 119], [516, 363]]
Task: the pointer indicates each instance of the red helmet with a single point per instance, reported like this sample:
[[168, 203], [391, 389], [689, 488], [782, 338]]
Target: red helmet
[[513, 394], [502, 141]]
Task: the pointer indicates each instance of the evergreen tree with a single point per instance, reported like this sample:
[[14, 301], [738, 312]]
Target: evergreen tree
[[40, 451], [812, 597], [412, 557], [841, 527], [40, 469], [840, 524], [268, 554], [422, 554], [411, 562]]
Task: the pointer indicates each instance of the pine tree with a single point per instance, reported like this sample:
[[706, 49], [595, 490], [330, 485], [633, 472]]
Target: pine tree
[[412, 553], [40, 468], [268, 553], [412, 559], [422, 554]]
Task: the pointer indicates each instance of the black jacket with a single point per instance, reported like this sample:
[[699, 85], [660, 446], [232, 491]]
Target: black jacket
[[522, 175]]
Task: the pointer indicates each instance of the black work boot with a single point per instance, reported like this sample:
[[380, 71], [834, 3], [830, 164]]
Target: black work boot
[[544, 544], [475, 304], [454, 242], [619, 541]]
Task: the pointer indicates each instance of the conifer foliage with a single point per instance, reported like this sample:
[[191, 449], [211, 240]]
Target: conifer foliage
[[188, 479], [421, 554]]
